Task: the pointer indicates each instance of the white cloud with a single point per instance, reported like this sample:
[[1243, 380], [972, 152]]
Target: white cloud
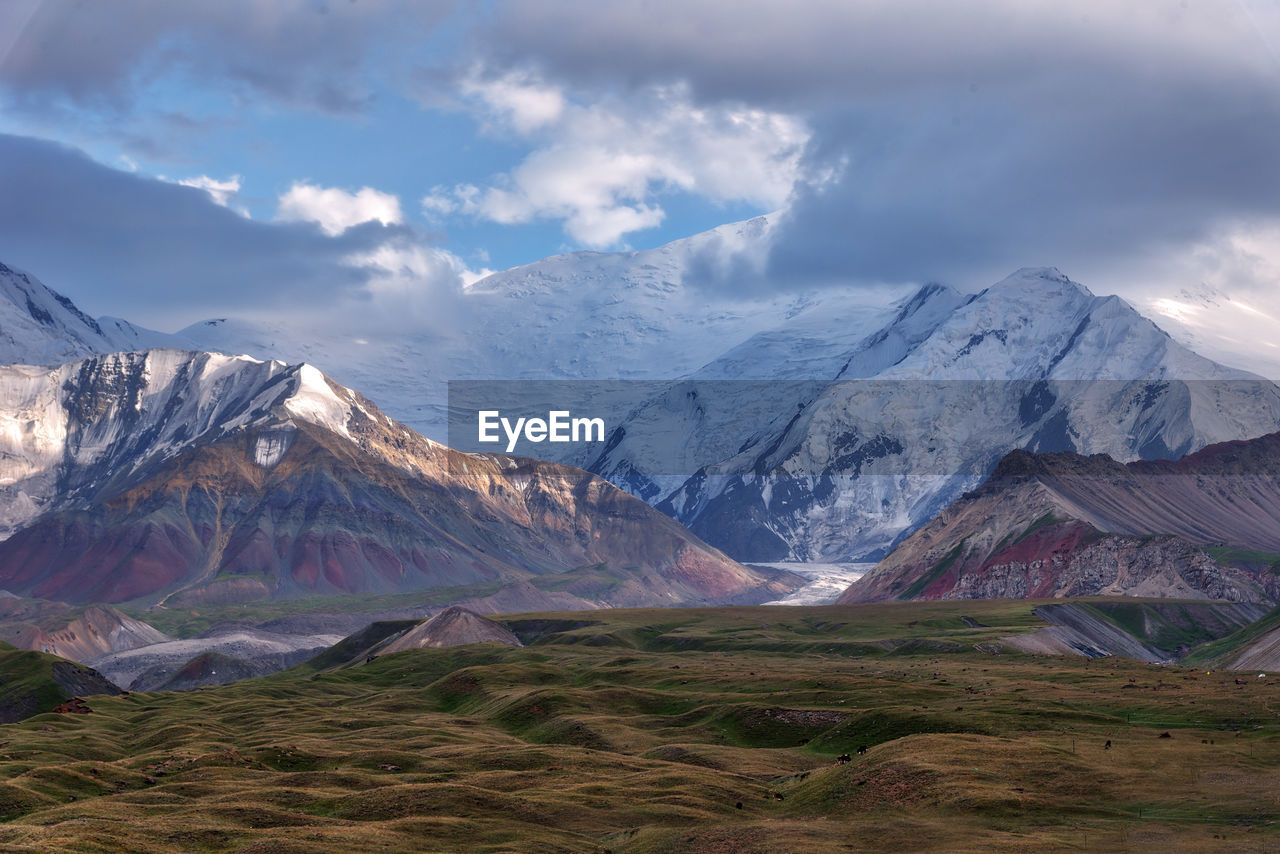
[[516, 98], [335, 210], [1232, 311], [409, 288], [601, 167], [220, 191], [402, 268]]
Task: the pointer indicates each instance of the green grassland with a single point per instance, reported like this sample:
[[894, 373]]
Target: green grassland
[[1247, 559], [26, 683], [32, 682], [699, 730]]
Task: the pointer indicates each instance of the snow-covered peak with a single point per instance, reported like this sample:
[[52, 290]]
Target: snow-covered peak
[[1048, 280], [314, 400], [64, 429], [1037, 323], [39, 326]]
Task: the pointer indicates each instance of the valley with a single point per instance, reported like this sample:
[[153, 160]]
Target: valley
[[642, 427], [684, 730]]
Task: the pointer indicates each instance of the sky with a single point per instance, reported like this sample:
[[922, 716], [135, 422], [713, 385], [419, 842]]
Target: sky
[[171, 161]]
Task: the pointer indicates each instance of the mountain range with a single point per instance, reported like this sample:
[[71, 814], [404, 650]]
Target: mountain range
[[183, 477], [827, 425], [791, 389], [917, 409]]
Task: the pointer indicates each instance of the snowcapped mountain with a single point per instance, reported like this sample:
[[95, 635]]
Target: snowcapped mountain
[[41, 327], [67, 432], [823, 425], [641, 315], [179, 476], [923, 407]]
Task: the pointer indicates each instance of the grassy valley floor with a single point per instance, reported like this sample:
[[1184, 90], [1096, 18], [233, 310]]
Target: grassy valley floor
[[704, 730]]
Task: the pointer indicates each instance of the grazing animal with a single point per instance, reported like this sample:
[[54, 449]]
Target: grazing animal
[[1107, 746], [862, 749], [843, 758]]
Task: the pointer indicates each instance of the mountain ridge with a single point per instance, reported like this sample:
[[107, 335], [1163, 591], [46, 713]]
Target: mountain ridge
[[43, 327], [776, 476], [933, 399], [212, 478], [1064, 524]]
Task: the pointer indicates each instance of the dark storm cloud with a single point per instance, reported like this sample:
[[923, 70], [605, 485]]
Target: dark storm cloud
[[984, 187], [145, 249], [960, 141], [309, 52]]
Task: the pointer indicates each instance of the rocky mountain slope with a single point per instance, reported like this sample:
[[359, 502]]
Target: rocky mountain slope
[[185, 477], [261, 650], [1204, 526], [75, 633], [210, 668], [454, 626], [1143, 630]]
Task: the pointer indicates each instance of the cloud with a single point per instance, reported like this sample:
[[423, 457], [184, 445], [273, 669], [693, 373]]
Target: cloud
[[220, 191], [1217, 295], [336, 210], [1123, 142], [814, 52], [602, 166], [166, 255], [304, 52], [954, 141], [517, 98], [405, 267]]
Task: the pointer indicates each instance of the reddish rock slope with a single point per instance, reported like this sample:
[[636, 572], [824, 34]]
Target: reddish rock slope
[[1205, 526]]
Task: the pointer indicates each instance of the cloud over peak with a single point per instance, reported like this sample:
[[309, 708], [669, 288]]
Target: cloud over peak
[[603, 165]]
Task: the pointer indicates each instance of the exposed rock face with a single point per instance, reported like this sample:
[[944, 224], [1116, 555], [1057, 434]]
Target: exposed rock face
[[69, 632], [1165, 567], [454, 626], [100, 630], [1203, 527], [189, 478], [1263, 653], [78, 681]]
